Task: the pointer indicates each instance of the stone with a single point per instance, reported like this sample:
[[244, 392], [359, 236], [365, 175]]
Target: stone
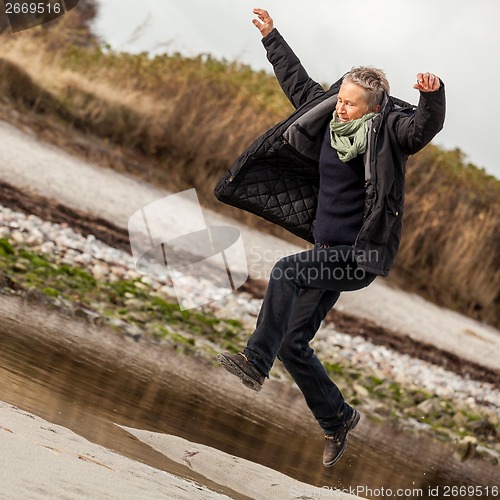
[[460, 419], [134, 332], [17, 236], [466, 448], [483, 427], [118, 271], [134, 303], [48, 247], [99, 271], [429, 407], [361, 391], [19, 267]]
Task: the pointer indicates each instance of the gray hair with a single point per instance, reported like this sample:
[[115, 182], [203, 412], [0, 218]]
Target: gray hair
[[373, 80]]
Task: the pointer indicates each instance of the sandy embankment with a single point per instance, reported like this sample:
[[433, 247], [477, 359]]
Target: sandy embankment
[[41, 460]]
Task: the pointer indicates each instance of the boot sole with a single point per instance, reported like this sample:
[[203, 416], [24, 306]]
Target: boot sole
[[352, 425], [234, 369]]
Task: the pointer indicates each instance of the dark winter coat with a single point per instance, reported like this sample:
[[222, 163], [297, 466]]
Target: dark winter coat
[[277, 177]]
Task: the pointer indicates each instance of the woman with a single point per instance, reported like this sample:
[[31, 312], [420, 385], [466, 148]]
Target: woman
[[333, 173]]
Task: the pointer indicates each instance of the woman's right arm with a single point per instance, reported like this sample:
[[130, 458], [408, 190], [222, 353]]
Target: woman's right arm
[[297, 85]]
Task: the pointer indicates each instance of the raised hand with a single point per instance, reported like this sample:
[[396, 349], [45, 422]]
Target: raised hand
[[265, 25], [427, 82]]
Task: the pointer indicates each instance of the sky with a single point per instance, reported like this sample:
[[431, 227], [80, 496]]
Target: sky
[[456, 39]]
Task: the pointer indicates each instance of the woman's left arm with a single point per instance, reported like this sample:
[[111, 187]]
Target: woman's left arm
[[416, 131]]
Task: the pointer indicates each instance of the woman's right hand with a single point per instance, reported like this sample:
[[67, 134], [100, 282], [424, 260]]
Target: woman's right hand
[[265, 25]]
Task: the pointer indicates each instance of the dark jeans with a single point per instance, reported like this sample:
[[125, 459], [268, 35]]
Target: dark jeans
[[302, 289]]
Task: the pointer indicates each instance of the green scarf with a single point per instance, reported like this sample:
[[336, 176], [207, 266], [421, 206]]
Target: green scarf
[[349, 138]]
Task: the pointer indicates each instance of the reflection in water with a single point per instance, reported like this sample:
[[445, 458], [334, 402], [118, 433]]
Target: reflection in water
[[88, 393]]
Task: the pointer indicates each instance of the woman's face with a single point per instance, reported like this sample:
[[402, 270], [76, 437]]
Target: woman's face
[[352, 102]]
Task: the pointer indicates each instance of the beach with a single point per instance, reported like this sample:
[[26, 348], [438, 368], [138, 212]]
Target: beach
[[42, 458]]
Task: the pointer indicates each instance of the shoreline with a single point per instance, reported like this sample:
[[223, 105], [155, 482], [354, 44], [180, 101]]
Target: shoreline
[[384, 382], [87, 225], [106, 195]]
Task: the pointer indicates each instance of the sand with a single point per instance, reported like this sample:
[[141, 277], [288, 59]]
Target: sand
[[40, 460]]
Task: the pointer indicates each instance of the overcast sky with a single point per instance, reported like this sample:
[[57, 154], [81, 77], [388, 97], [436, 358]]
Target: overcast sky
[[456, 39]]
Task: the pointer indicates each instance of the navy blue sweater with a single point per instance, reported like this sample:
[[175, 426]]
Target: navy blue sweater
[[341, 197]]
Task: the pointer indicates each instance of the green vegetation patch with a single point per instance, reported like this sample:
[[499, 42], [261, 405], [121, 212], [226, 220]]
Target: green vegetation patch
[[387, 399], [131, 302]]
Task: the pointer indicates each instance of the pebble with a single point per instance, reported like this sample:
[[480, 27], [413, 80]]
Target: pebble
[[104, 262]]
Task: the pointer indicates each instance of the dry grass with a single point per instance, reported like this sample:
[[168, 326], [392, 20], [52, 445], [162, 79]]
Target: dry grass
[[451, 242], [183, 121], [190, 115]]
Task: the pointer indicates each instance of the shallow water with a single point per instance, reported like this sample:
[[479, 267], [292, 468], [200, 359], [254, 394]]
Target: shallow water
[[90, 393]]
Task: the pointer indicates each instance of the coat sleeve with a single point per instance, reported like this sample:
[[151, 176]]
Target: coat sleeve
[[293, 78], [416, 131]]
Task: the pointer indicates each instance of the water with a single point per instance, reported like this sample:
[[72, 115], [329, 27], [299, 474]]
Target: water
[[89, 388]]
